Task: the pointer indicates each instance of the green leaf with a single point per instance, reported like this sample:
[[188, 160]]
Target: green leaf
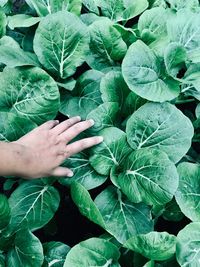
[[27, 251], [13, 127], [22, 20], [61, 43], [128, 34], [3, 23], [88, 86], [147, 175], [132, 219], [197, 111], [4, 212], [160, 126], [55, 254], [104, 116], [93, 252], [33, 203], [86, 205], [141, 69], [152, 24], [172, 212], [154, 245], [106, 45], [175, 56], [113, 88], [110, 152], [13, 56], [2, 260], [123, 10], [29, 93], [179, 4], [188, 193], [184, 29], [91, 6], [188, 245], [83, 172], [45, 7], [132, 103]]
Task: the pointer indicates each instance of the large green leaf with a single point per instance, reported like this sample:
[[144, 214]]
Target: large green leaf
[[184, 29], [106, 45], [147, 175], [175, 56], [132, 219], [4, 212], [141, 69], [188, 246], [114, 88], [45, 7], [160, 126], [13, 56], [27, 251], [12, 127], [152, 24], [55, 254], [154, 245], [86, 205], [111, 152], [86, 95], [93, 252], [188, 193], [61, 43], [33, 203], [132, 103], [120, 10], [83, 172], [104, 116], [29, 93]]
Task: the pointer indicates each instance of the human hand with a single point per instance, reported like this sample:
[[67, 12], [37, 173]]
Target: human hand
[[46, 147]]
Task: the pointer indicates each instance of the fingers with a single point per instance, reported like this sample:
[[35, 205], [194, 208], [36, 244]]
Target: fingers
[[62, 171], [49, 124], [63, 126], [75, 130], [78, 146]]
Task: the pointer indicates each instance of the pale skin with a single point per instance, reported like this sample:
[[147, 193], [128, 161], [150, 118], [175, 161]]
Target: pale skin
[[41, 152]]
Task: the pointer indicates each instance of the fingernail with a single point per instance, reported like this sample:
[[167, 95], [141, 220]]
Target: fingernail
[[91, 122], [70, 174], [100, 139], [57, 121], [78, 118]]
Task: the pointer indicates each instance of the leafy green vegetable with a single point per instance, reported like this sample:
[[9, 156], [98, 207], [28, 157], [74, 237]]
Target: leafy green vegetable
[[187, 249], [106, 45], [154, 245], [187, 195], [27, 251], [61, 43], [111, 152], [132, 218], [141, 69], [28, 94], [4, 212], [123, 10], [33, 203], [160, 126], [55, 254], [93, 252], [147, 175], [133, 66]]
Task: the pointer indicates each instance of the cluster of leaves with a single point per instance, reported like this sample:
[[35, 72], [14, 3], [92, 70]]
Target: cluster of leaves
[[129, 65]]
